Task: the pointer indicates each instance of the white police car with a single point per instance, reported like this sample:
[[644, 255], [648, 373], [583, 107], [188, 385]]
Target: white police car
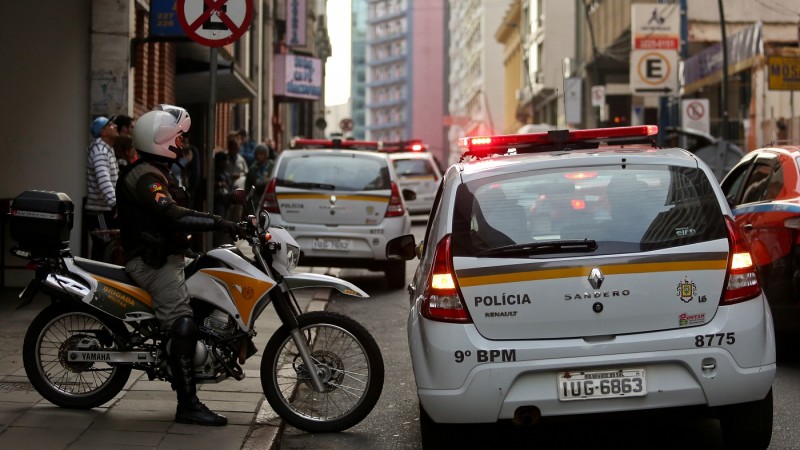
[[576, 272], [341, 202], [417, 170]]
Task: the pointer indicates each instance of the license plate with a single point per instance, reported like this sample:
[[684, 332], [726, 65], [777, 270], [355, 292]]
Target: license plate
[[331, 244], [594, 384]]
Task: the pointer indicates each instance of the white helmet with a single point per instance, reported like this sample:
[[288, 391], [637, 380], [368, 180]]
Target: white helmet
[[156, 130]]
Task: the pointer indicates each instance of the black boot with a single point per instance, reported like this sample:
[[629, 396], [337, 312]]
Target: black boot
[[190, 409]]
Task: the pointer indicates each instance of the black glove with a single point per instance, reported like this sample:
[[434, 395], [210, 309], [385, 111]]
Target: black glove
[[232, 228]]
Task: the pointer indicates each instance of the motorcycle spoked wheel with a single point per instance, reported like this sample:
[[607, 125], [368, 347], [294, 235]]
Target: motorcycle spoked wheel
[[80, 385], [349, 362]]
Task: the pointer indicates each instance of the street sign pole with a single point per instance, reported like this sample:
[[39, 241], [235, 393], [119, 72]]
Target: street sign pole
[[208, 240], [213, 24]]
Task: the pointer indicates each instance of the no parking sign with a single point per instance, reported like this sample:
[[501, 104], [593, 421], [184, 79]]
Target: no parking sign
[[215, 23], [695, 114]]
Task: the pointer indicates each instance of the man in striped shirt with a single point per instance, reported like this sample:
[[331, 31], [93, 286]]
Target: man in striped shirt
[[102, 173]]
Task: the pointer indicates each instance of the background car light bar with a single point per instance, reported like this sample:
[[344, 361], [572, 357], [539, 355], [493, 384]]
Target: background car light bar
[[559, 136], [334, 143]]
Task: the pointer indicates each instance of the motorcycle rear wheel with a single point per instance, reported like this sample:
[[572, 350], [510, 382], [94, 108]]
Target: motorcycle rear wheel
[[80, 385], [349, 362]]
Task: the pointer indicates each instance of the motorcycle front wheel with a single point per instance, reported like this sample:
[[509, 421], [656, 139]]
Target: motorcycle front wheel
[[72, 384], [348, 361]]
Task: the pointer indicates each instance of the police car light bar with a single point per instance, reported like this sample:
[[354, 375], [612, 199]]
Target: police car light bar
[[335, 143], [411, 145], [489, 144]]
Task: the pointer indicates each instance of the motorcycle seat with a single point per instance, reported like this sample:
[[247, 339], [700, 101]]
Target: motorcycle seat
[[110, 271]]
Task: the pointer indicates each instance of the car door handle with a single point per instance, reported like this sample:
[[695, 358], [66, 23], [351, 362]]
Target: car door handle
[[747, 226]]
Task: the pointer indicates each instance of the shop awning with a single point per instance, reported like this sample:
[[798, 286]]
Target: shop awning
[[195, 87], [192, 84]]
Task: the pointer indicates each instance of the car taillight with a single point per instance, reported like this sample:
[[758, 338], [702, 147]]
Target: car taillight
[[270, 198], [742, 283], [395, 208], [442, 301]]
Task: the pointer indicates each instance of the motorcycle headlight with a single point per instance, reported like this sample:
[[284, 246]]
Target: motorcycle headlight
[[292, 256]]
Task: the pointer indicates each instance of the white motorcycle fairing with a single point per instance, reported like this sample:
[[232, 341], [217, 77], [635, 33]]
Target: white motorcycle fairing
[[317, 280], [237, 291]]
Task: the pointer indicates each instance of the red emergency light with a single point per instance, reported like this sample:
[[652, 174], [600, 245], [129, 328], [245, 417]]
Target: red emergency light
[[489, 144], [335, 143], [412, 145]]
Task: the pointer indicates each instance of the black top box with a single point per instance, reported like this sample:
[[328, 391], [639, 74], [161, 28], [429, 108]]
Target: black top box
[[41, 221]]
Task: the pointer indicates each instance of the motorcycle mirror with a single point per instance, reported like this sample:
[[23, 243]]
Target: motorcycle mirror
[[238, 197], [263, 218]]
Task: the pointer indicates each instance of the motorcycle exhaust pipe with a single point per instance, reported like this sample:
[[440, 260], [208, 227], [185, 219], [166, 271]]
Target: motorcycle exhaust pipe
[[526, 416]]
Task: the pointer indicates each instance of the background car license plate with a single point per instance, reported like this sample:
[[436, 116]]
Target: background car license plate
[[593, 384], [331, 244]]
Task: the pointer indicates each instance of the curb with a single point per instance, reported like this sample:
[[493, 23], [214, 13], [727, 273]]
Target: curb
[[267, 427]]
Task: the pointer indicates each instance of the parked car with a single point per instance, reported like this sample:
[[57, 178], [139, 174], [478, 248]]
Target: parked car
[[720, 154], [341, 201], [634, 292], [764, 191], [417, 170]]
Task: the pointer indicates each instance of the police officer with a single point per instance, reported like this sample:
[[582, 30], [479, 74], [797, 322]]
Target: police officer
[[153, 224]]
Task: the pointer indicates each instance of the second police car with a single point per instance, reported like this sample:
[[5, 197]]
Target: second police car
[[418, 170], [577, 272], [342, 202]]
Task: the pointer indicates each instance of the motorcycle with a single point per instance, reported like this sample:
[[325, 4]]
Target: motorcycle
[[320, 371]]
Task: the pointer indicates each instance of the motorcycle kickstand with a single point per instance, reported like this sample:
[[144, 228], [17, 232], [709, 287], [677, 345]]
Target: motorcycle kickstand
[[305, 355]]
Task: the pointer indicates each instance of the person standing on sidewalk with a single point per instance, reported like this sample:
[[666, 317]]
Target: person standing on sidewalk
[[155, 222], [102, 172]]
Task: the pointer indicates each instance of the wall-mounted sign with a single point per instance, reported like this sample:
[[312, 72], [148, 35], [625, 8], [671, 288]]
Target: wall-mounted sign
[[784, 73], [296, 23], [164, 19], [298, 76]]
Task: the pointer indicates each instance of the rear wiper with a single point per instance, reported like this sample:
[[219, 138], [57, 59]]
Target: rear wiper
[[532, 248], [308, 185]]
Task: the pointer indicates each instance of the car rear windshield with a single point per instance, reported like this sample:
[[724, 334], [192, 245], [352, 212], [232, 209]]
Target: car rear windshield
[[611, 208], [413, 167], [345, 172]]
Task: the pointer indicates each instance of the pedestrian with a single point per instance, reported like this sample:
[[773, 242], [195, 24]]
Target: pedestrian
[[258, 173], [102, 172], [246, 146], [124, 125], [123, 149], [180, 167], [223, 189], [154, 226], [236, 165]]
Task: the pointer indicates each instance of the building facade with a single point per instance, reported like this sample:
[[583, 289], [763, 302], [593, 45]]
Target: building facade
[[405, 72], [82, 58]]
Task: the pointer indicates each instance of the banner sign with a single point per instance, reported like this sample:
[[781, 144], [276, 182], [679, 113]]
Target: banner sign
[[296, 23], [298, 76], [164, 19]]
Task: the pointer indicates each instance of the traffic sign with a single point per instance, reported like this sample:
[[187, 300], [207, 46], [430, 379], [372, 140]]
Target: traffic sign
[[654, 72], [694, 114], [598, 95], [215, 23], [346, 124]]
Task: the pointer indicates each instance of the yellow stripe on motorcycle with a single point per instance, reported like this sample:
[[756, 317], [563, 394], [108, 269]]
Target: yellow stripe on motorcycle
[[244, 290]]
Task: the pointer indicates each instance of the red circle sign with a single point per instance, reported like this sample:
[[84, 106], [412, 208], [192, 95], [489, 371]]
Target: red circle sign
[[214, 23], [346, 124]]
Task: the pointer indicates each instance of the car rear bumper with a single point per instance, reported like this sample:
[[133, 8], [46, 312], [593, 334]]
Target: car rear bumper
[[500, 376], [367, 243]]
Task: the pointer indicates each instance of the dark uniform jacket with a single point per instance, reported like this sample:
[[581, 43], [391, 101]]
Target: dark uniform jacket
[[153, 218]]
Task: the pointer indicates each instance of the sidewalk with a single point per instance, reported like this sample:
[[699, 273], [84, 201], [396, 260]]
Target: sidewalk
[[142, 415]]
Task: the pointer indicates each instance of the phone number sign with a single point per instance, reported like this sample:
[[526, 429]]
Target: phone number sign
[[215, 23]]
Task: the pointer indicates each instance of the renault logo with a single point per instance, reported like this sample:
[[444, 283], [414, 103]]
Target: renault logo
[[596, 278], [333, 200]]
